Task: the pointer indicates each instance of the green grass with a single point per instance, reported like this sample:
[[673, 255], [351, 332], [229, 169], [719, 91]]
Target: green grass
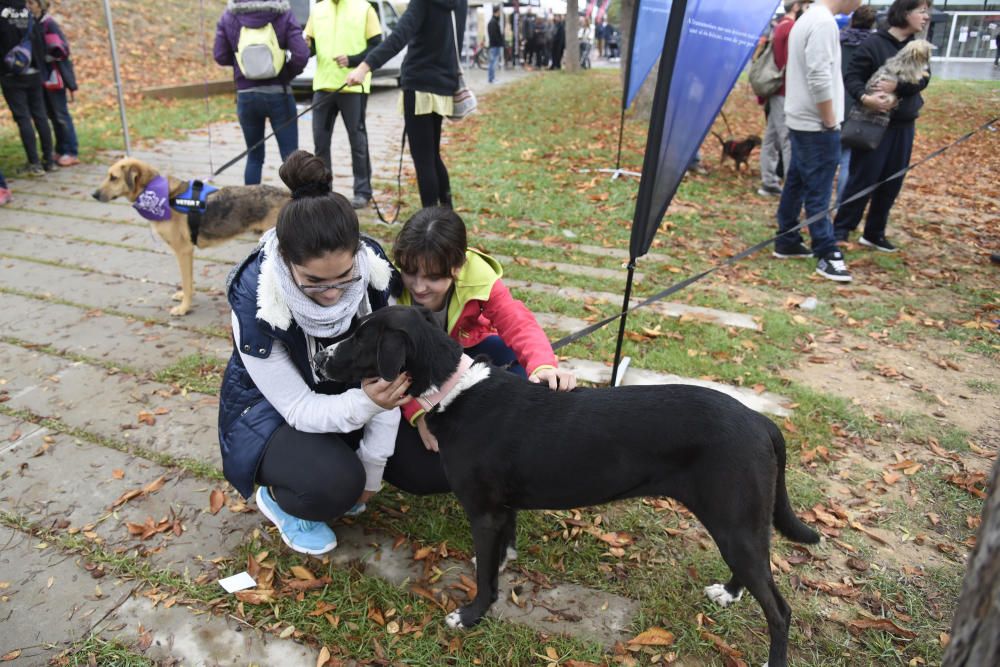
[[196, 372], [95, 650], [149, 119]]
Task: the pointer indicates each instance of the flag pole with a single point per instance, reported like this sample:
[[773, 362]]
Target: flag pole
[[118, 76], [657, 119], [628, 77]]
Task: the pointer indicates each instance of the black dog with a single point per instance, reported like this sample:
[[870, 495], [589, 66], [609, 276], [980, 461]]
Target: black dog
[[507, 444], [739, 151]]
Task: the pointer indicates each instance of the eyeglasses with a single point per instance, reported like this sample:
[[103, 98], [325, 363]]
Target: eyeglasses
[[316, 289]]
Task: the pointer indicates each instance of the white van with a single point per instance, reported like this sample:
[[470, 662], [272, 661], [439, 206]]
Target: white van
[[387, 15]]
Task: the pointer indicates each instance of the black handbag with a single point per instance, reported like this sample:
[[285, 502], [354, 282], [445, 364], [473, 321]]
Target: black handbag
[[863, 129]]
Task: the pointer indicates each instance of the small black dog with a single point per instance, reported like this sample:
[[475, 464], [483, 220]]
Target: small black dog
[[507, 444], [739, 151]]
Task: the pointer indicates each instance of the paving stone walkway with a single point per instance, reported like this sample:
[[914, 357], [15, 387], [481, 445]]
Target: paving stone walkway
[[84, 298]]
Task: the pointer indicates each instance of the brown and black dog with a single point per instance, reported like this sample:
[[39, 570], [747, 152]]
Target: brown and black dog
[[230, 211], [738, 151]]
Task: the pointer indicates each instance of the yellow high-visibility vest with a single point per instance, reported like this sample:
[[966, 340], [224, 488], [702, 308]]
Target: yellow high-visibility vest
[[338, 28]]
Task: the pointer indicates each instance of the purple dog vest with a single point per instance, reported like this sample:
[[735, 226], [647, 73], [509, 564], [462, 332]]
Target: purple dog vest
[[154, 202]]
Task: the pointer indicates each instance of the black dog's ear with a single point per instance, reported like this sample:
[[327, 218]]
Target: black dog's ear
[[390, 355]]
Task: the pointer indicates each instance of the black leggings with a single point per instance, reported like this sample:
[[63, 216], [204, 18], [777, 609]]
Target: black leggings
[[318, 476], [424, 134]]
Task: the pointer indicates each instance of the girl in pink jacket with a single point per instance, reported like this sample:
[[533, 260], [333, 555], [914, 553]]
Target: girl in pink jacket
[[463, 289]]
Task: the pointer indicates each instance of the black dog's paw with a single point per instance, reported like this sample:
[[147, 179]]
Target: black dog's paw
[[462, 619]]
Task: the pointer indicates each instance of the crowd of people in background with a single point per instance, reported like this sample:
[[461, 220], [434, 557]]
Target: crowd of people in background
[[38, 82], [541, 40]]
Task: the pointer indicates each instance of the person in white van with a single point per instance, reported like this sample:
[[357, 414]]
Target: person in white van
[[341, 33]]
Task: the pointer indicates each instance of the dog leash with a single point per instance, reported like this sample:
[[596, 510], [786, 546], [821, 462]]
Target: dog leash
[[312, 107], [274, 130], [676, 287]]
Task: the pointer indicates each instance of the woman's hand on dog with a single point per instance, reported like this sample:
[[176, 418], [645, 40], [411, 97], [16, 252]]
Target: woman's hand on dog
[[430, 442], [387, 394], [557, 378], [879, 101]]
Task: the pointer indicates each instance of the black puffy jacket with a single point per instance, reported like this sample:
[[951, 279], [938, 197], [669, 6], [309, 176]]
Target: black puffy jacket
[[13, 26], [868, 57], [431, 64]]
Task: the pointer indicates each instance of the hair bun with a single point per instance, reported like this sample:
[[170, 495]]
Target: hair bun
[[306, 175]]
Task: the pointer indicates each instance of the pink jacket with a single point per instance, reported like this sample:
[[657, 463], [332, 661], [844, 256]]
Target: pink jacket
[[482, 306]]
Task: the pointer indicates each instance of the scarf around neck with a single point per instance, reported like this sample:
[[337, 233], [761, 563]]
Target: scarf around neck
[[280, 300]]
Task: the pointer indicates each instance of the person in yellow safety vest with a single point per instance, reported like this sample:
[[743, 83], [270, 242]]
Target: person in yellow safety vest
[[341, 33]]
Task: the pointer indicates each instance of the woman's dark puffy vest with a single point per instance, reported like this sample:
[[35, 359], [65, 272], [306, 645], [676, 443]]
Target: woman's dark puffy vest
[[246, 419]]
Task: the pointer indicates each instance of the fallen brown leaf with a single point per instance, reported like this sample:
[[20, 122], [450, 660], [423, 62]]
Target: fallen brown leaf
[[883, 624], [653, 637], [216, 499]]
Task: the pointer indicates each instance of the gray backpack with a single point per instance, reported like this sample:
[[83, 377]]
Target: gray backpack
[[765, 77]]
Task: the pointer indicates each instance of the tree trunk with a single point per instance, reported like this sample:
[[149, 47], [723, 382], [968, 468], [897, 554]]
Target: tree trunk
[[975, 631], [571, 59], [643, 103]]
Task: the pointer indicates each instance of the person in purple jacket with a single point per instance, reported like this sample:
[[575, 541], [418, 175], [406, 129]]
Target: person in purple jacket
[[262, 99]]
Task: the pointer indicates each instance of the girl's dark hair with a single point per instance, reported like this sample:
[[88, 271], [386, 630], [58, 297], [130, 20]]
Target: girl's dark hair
[[863, 17], [317, 220], [434, 240], [900, 8]]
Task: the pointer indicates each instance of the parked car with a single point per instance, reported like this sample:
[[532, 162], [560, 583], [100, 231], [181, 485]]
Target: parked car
[[388, 16]]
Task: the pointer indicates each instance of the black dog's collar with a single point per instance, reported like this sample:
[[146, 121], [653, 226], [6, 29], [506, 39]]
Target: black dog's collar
[[430, 402]]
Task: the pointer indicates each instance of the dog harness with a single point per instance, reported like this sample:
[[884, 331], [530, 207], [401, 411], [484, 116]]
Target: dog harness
[[153, 203], [193, 202]]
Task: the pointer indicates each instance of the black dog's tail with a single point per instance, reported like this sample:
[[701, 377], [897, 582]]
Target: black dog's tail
[[719, 137], [785, 520]]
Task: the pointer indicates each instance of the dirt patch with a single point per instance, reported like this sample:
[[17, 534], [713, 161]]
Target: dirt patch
[[932, 377]]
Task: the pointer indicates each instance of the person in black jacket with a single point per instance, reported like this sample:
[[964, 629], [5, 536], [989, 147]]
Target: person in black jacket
[[23, 91], [851, 37], [558, 41], [906, 18], [59, 87], [428, 79], [495, 34]]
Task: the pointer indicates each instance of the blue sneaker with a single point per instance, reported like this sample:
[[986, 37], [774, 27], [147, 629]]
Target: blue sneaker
[[307, 537], [356, 510]]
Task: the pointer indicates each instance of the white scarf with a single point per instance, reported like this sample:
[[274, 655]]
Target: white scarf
[[280, 300]]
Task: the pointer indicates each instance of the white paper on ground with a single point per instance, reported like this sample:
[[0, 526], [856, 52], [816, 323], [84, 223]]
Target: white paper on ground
[[237, 582]]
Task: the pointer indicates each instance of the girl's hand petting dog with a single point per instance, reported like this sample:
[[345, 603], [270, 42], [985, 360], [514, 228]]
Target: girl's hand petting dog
[[557, 378], [387, 394], [430, 442]]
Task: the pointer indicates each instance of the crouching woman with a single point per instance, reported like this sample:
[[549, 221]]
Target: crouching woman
[[314, 448]]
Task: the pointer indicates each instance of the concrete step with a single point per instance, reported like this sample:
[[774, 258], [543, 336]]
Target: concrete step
[[136, 297], [54, 602]]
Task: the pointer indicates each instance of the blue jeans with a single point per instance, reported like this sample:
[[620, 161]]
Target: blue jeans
[[809, 181], [499, 353], [62, 123], [3, 181], [495, 53], [842, 173], [253, 109]]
